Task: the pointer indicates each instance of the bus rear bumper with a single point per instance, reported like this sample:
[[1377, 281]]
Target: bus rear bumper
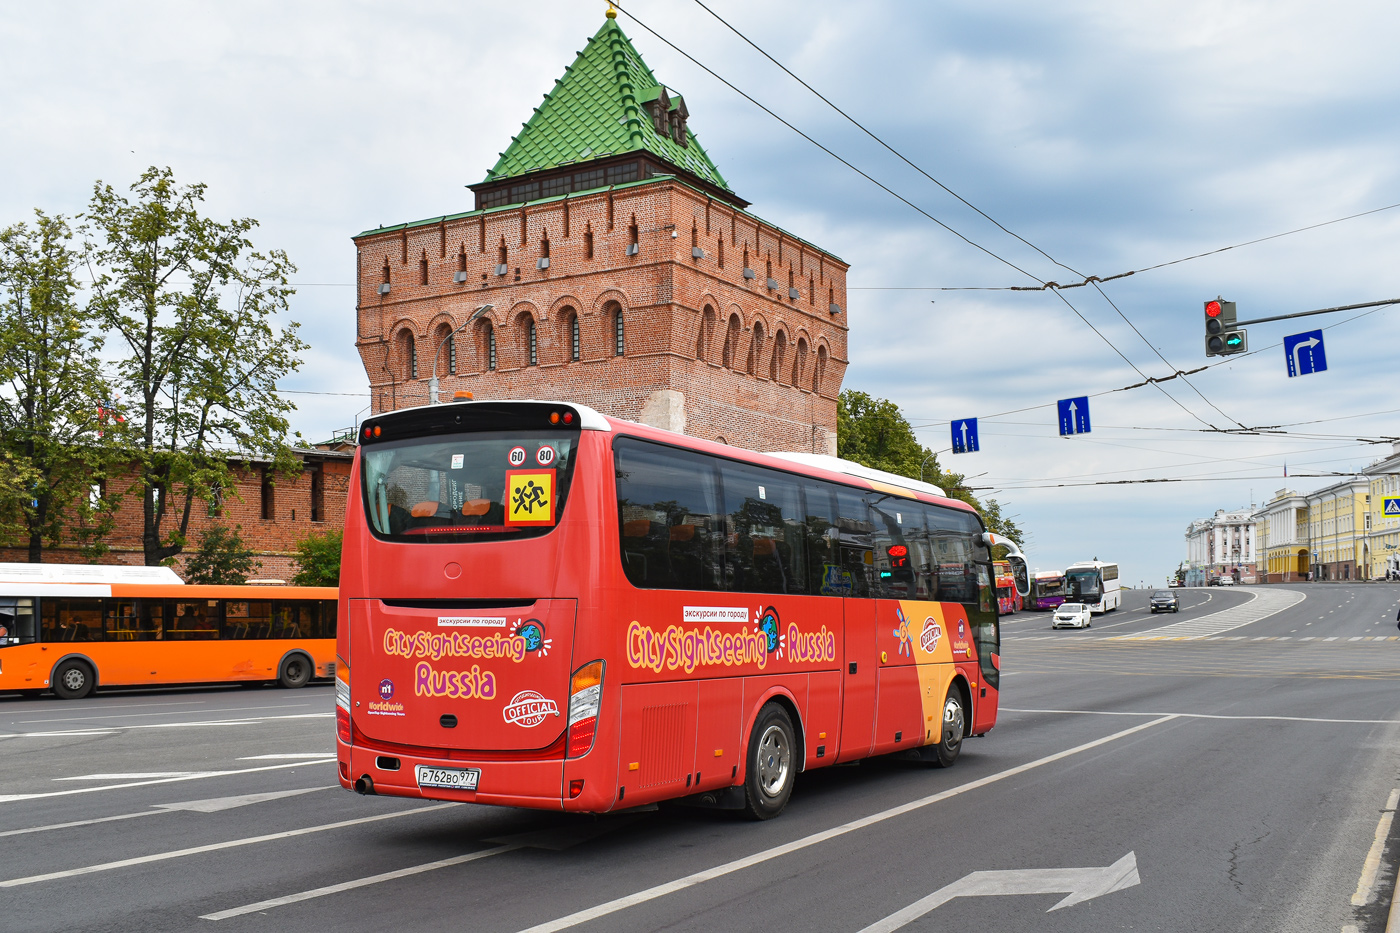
[[534, 784]]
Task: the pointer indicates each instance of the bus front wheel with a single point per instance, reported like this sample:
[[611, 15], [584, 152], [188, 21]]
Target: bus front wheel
[[954, 728], [772, 764], [295, 672], [73, 680]]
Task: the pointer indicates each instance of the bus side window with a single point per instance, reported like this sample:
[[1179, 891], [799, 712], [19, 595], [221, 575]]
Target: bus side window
[[328, 609], [669, 523], [824, 542], [893, 578], [857, 547], [17, 621], [764, 548], [921, 564], [235, 614]]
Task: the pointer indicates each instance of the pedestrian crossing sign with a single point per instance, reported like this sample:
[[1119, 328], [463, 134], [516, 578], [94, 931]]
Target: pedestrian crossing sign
[[1392, 506]]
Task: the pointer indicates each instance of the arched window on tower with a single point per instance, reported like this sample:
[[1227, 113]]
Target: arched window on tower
[[571, 332], [407, 366], [799, 362], [820, 372], [486, 344], [619, 336], [532, 342], [775, 369], [444, 348], [731, 341], [707, 326], [755, 348]]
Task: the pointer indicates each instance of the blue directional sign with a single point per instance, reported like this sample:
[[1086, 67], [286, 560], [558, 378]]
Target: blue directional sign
[[1074, 415], [965, 436], [1305, 353], [1391, 506]]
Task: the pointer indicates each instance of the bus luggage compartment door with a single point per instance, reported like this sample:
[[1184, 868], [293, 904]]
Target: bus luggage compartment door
[[860, 666], [444, 676]]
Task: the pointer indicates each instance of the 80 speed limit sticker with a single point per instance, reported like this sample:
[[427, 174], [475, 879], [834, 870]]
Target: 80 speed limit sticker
[[544, 456]]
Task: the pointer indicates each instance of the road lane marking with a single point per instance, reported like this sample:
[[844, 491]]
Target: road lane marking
[[173, 712], [213, 847], [1372, 865], [719, 871], [213, 805], [108, 730], [1264, 604], [289, 756], [1105, 712], [360, 882], [12, 798], [130, 776]]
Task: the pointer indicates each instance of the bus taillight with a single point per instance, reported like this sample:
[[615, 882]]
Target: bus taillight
[[342, 705], [585, 694]]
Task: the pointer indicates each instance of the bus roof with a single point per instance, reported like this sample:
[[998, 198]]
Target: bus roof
[[87, 573]]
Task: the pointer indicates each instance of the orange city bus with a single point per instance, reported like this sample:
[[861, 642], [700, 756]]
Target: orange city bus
[[550, 608], [70, 629]]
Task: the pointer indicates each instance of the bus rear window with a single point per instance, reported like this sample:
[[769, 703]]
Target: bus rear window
[[496, 485]]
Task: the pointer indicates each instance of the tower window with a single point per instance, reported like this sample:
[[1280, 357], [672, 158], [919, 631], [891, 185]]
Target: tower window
[[534, 343], [318, 494], [423, 271], [573, 338], [269, 496], [490, 347], [587, 244], [618, 333]]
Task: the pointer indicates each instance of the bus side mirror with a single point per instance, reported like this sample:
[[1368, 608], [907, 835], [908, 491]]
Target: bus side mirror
[[1020, 573]]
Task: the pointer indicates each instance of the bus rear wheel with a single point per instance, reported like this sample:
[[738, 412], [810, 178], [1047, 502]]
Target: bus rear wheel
[[954, 728], [295, 672], [73, 680], [772, 764]]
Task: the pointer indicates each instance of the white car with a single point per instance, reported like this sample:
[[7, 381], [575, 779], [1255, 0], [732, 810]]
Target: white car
[[1071, 615], [1226, 581]]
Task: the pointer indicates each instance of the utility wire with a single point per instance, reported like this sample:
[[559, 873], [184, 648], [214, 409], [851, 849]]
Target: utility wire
[[860, 126]]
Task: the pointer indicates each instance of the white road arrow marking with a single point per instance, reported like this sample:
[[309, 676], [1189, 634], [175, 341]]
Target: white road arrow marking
[[1079, 884], [1297, 360]]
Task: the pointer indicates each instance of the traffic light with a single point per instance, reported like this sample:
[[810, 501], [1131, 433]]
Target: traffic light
[[1223, 338]]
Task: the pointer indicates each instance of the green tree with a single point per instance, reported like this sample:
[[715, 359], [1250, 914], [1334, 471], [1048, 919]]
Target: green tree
[[221, 558], [57, 443], [194, 309], [874, 432], [318, 557]]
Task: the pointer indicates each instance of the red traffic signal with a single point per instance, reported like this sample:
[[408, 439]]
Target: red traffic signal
[[1212, 309]]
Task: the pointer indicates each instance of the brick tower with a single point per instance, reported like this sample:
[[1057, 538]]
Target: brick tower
[[608, 262]]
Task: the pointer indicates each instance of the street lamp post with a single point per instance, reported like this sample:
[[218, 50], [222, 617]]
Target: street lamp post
[[923, 463], [433, 382]]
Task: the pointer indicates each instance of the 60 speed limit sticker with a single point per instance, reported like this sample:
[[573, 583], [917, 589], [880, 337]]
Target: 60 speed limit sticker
[[517, 456]]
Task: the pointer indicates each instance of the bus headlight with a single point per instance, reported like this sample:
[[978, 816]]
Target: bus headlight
[[585, 695]]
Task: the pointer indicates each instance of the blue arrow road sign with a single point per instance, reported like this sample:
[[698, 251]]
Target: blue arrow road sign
[[1074, 415], [1305, 353], [1392, 506], [965, 436]]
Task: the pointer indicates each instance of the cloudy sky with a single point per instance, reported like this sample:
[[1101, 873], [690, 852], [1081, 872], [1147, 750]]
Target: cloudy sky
[[1112, 136]]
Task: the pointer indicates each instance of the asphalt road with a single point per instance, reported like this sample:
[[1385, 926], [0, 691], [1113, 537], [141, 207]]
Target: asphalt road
[[1223, 771]]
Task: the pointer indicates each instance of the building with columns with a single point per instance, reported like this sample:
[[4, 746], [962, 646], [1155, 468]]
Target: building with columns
[[1222, 545], [607, 261], [1282, 532]]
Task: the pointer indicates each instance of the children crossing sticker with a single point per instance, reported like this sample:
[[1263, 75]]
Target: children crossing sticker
[[529, 497]]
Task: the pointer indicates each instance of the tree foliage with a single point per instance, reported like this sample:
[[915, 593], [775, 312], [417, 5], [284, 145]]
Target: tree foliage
[[55, 442], [193, 309], [318, 557], [221, 558], [874, 432]]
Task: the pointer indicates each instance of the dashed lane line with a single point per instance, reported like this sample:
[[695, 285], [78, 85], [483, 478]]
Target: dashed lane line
[[109, 730], [13, 798], [727, 868], [214, 847], [1223, 716]]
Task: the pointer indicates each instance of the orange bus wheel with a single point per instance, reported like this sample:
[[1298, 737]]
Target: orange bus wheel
[[73, 680], [772, 763]]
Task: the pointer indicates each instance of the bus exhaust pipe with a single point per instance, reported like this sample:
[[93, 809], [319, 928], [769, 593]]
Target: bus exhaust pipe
[[365, 786]]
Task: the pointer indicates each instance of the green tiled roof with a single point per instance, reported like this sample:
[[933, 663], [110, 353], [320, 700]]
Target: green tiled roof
[[596, 110]]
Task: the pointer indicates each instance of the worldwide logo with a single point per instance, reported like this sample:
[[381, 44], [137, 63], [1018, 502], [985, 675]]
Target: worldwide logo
[[532, 630], [529, 708], [386, 689], [768, 625]]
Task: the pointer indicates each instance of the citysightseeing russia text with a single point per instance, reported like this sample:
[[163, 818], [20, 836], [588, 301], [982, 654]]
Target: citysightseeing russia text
[[688, 649], [439, 645]]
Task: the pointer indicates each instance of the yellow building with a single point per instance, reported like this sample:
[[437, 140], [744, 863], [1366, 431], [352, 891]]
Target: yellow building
[[1338, 518], [1382, 545], [1282, 530]]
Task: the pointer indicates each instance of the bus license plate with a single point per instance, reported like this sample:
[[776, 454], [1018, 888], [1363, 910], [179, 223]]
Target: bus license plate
[[451, 778]]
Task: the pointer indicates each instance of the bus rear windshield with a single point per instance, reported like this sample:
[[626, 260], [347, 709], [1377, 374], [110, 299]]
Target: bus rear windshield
[[1083, 584], [489, 485]]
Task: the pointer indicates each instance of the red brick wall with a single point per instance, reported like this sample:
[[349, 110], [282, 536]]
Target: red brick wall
[[666, 296], [272, 541]]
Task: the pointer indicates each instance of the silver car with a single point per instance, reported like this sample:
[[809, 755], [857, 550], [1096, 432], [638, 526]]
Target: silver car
[[1071, 615]]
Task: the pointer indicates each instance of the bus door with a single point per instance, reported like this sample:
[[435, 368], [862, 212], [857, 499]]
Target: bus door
[[855, 567]]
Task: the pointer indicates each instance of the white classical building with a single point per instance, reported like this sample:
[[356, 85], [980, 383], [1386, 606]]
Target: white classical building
[[1283, 537], [1222, 545]]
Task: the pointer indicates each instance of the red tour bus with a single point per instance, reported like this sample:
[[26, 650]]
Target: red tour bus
[[551, 608], [1008, 598]]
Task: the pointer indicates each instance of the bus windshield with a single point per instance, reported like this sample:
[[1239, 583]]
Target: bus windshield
[[1083, 584], [489, 485]]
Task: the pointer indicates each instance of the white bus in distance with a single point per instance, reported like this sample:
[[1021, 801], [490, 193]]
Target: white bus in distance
[[1095, 584]]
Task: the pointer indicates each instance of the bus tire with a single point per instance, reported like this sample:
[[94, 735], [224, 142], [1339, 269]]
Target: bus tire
[[295, 671], [772, 763], [73, 680], [954, 728]]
